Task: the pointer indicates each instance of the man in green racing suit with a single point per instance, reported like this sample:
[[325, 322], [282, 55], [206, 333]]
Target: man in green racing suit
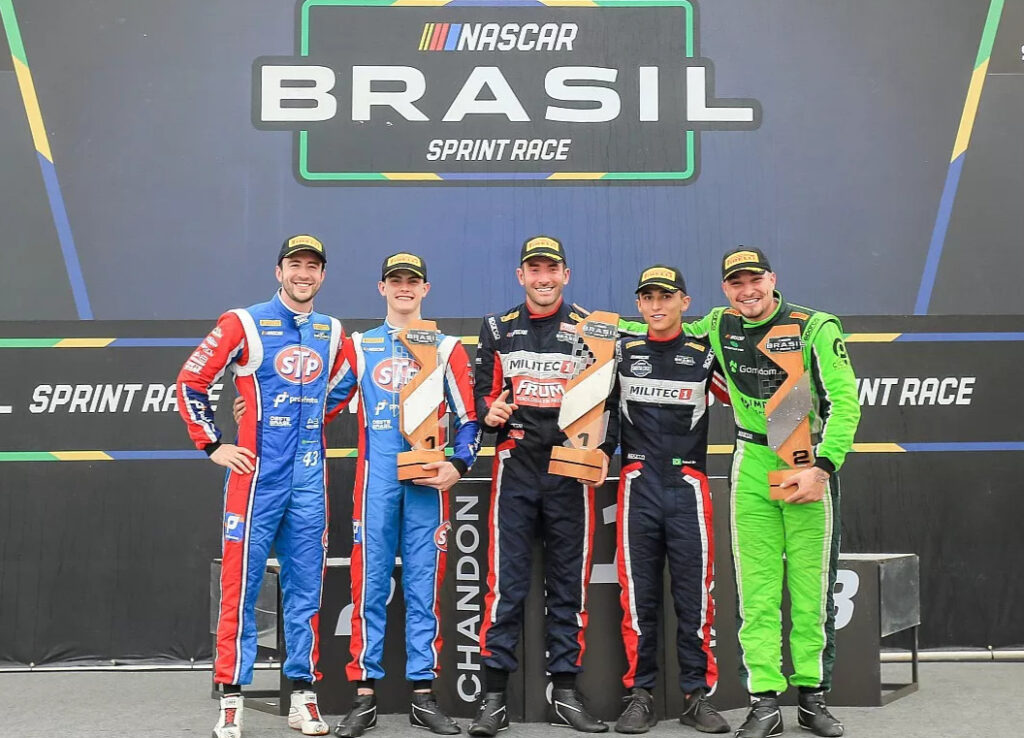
[[803, 530]]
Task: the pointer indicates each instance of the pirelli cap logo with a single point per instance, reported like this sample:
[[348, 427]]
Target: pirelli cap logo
[[307, 241], [542, 243], [405, 259], [493, 91], [658, 273], [741, 257]]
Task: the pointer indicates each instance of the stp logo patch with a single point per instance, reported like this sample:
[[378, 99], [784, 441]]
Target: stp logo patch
[[298, 364], [234, 527], [394, 373], [441, 535]]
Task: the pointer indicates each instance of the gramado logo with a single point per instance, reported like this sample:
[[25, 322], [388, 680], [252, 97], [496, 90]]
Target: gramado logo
[[524, 92], [298, 364], [391, 375]]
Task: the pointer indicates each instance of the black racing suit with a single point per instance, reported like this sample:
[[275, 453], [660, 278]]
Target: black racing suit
[[532, 357], [664, 503]]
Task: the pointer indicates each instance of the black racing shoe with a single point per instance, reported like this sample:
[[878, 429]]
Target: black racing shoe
[[700, 714], [362, 717], [424, 713], [491, 715], [638, 716], [764, 719], [567, 711], [813, 715]]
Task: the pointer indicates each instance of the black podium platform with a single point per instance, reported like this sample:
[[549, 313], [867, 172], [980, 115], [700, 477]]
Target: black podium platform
[[877, 601]]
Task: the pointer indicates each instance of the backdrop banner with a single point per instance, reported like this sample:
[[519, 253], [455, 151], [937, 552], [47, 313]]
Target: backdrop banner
[[109, 519]]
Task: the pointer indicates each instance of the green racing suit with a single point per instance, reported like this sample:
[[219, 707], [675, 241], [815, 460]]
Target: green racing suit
[[769, 536]]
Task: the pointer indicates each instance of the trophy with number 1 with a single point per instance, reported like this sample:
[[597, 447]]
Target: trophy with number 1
[[582, 417], [419, 401]]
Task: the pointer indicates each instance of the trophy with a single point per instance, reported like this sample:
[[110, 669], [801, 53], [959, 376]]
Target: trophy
[[582, 417], [419, 400], [788, 409]]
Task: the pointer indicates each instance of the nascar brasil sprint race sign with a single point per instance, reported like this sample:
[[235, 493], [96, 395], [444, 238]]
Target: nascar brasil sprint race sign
[[488, 92]]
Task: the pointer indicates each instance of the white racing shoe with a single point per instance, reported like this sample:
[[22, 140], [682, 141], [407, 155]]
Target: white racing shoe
[[304, 714], [229, 722]]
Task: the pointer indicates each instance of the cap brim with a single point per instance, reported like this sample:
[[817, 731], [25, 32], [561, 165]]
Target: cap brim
[[405, 268], [659, 285], [737, 270], [295, 251], [539, 254]]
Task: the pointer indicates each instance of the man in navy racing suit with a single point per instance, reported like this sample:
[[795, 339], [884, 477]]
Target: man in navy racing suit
[[524, 358], [663, 382]]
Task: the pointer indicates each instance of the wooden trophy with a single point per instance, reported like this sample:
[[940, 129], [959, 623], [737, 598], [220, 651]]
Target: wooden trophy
[[419, 401], [582, 416], [788, 409]]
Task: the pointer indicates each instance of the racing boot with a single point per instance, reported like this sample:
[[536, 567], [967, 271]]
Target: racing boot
[[764, 719], [813, 715], [568, 711], [425, 713], [698, 713], [229, 722], [304, 714], [491, 715], [638, 716], [361, 718]]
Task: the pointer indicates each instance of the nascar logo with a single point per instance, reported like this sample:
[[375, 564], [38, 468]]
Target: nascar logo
[[498, 36]]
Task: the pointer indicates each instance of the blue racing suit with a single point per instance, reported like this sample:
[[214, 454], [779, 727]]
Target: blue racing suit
[[282, 363], [387, 513]]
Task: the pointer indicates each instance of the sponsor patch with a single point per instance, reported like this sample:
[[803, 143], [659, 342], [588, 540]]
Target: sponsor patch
[[796, 314], [685, 360], [697, 346], [640, 367], [234, 527], [381, 425], [373, 339], [322, 335], [357, 531], [321, 327], [631, 344], [271, 333], [280, 421], [441, 536], [298, 364], [393, 374], [784, 344], [509, 316], [270, 323]]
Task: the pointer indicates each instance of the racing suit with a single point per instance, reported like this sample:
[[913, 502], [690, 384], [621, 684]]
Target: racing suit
[[387, 513], [664, 503], [765, 531], [532, 356], [282, 362]]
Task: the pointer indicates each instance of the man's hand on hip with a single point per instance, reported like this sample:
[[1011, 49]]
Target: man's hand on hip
[[809, 485], [236, 458], [238, 409]]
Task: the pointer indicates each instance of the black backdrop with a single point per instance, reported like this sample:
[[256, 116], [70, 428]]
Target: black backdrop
[[109, 559]]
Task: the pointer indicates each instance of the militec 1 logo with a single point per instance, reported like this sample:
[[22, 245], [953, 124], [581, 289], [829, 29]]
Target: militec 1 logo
[[493, 91]]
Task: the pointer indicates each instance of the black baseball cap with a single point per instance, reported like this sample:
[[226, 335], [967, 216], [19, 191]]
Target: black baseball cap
[[744, 259], [544, 247], [301, 242], [403, 260], [663, 277]]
